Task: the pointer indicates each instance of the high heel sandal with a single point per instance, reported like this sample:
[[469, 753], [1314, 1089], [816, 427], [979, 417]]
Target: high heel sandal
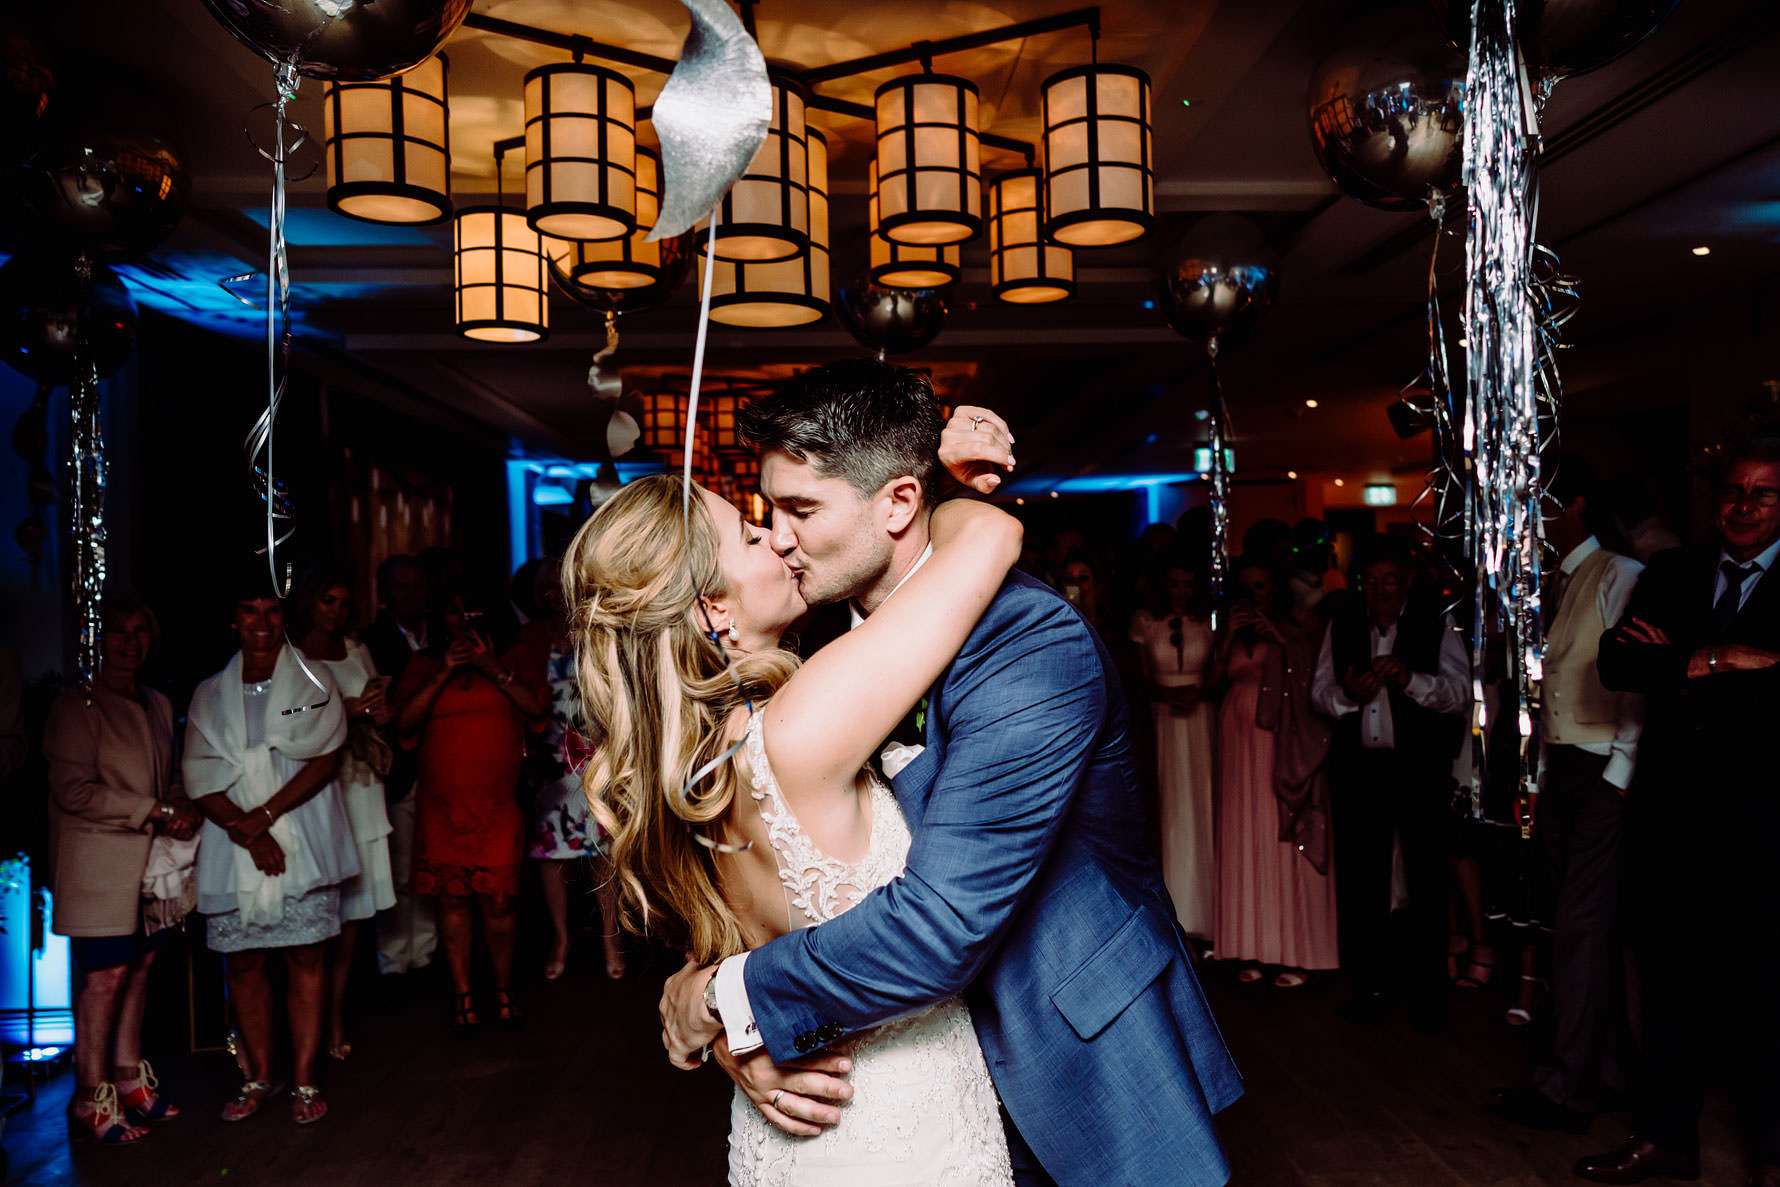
[[143, 1102], [615, 966], [1458, 946], [1478, 971], [464, 1019], [307, 1105], [507, 1015], [1519, 1015], [104, 1124]]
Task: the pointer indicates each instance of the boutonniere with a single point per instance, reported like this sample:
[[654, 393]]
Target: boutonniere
[[921, 716]]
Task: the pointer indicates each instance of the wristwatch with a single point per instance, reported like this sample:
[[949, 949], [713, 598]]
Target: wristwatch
[[166, 810], [711, 999]]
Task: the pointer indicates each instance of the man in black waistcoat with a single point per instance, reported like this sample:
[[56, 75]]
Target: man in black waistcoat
[[1701, 641], [1395, 677]]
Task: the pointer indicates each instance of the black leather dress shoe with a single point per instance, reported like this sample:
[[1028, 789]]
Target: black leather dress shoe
[[1636, 1161], [1531, 1108]]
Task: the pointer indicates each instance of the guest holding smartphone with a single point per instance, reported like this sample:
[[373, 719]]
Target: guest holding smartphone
[[323, 621], [468, 712]]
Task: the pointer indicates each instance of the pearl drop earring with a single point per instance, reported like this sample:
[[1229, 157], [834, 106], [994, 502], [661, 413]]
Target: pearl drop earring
[[735, 636]]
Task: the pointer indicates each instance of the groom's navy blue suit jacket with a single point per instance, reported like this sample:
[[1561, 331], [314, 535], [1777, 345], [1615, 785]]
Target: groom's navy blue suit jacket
[[1030, 888]]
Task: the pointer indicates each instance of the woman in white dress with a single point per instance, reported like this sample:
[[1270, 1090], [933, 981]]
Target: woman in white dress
[[785, 824], [1177, 649], [323, 614]]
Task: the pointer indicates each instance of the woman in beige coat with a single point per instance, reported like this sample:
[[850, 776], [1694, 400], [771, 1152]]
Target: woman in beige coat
[[113, 784]]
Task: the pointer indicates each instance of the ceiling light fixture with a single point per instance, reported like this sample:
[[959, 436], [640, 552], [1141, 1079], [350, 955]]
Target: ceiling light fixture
[[388, 146], [1024, 269], [1310, 403], [906, 265], [1100, 177], [765, 216], [930, 170], [1702, 250], [498, 270], [1292, 474], [790, 292], [628, 263], [580, 151]]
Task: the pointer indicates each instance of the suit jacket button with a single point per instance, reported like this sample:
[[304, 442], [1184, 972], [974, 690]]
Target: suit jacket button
[[829, 1032], [804, 1042]]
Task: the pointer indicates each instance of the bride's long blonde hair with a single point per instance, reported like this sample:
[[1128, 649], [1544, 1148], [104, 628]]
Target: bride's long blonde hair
[[656, 685]]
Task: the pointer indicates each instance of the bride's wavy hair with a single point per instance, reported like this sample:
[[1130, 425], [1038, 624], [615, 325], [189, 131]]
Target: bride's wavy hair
[[657, 686]]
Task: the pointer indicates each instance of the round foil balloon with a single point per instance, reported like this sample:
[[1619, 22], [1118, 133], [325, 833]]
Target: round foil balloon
[[1387, 117], [46, 310], [887, 320], [676, 260], [1565, 37], [351, 40], [1218, 279], [110, 184]]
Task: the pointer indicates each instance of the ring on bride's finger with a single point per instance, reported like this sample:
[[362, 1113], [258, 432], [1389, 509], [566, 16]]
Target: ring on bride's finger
[[976, 422], [774, 1102]]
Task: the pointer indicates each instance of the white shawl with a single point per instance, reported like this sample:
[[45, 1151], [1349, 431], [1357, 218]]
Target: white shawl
[[218, 759]]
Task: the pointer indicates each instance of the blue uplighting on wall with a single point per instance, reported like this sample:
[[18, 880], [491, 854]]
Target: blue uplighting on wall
[[535, 482]]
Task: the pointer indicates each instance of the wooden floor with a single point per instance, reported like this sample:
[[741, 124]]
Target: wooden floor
[[583, 1096]]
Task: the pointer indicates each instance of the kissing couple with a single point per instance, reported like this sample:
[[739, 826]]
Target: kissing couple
[[927, 938]]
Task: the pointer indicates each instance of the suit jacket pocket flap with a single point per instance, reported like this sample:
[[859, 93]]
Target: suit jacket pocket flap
[[1108, 981]]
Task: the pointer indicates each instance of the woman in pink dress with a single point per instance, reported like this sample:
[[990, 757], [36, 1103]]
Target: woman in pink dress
[[1273, 905]]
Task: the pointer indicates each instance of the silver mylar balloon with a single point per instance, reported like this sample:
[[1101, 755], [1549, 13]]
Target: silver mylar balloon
[[112, 188], [1565, 37], [1218, 279], [351, 40], [887, 320], [711, 116], [676, 261], [46, 311], [1387, 117]]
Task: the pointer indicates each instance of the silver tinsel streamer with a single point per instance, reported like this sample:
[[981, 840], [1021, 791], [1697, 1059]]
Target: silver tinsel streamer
[[86, 511], [278, 333], [1500, 433], [1219, 440]]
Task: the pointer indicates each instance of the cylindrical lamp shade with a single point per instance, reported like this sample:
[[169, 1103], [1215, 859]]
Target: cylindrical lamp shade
[[629, 263], [664, 420], [930, 172], [765, 216], [388, 146], [787, 292], [725, 408], [907, 265], [499, 277], [580, 152], [1100, 176], [1023, 268]]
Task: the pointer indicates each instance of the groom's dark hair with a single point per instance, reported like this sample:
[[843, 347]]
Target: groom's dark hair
[[860, 420]]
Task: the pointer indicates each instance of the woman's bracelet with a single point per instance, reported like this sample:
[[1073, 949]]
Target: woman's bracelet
[[504, 680], [270, 819]]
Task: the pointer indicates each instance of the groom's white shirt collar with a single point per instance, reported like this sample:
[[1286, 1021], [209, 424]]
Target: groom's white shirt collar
[[732, 990]]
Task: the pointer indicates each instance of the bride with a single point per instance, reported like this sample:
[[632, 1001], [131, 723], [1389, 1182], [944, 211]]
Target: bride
[[790, 826]]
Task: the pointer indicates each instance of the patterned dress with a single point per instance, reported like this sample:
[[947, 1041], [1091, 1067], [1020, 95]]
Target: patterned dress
[[561, 825]]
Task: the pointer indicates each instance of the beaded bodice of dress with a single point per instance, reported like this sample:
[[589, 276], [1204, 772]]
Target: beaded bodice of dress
[[924, 1109], [819, 887]]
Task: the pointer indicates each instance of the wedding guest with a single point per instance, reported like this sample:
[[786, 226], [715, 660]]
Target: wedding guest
[[1395, 677], [563, 830], [1274, 906], [323, 614], [1314, 575], [114, 794], [264, 741], [407, 933], [467, 712], [1701, 640], [1589, 752], [1177, 649]]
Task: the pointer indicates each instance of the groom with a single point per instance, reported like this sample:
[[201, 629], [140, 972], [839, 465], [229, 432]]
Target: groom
[[1029, 887]]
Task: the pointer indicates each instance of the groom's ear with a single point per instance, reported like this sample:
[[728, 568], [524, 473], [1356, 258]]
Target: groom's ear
[[905, 498]]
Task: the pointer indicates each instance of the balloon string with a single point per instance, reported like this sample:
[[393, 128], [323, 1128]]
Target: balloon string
[[1220, 485], [87, 514]]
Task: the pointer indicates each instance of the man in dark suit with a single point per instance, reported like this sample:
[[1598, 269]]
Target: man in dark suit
[[1700, 640]]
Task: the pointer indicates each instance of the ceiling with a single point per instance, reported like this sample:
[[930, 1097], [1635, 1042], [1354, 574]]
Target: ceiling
[[1675, 144]]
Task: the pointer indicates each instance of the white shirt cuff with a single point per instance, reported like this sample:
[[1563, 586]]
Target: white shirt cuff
[[732, 1003], [1619, 770], [1418, 687]]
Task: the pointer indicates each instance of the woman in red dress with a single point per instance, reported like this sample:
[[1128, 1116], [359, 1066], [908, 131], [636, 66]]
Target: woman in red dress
[[469, 712]]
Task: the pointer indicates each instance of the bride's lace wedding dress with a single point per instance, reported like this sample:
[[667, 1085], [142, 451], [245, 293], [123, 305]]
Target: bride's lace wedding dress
[[924, 1111]]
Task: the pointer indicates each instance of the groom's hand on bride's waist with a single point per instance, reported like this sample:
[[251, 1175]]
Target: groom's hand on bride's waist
[[802, 1098], [687, 1027]]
